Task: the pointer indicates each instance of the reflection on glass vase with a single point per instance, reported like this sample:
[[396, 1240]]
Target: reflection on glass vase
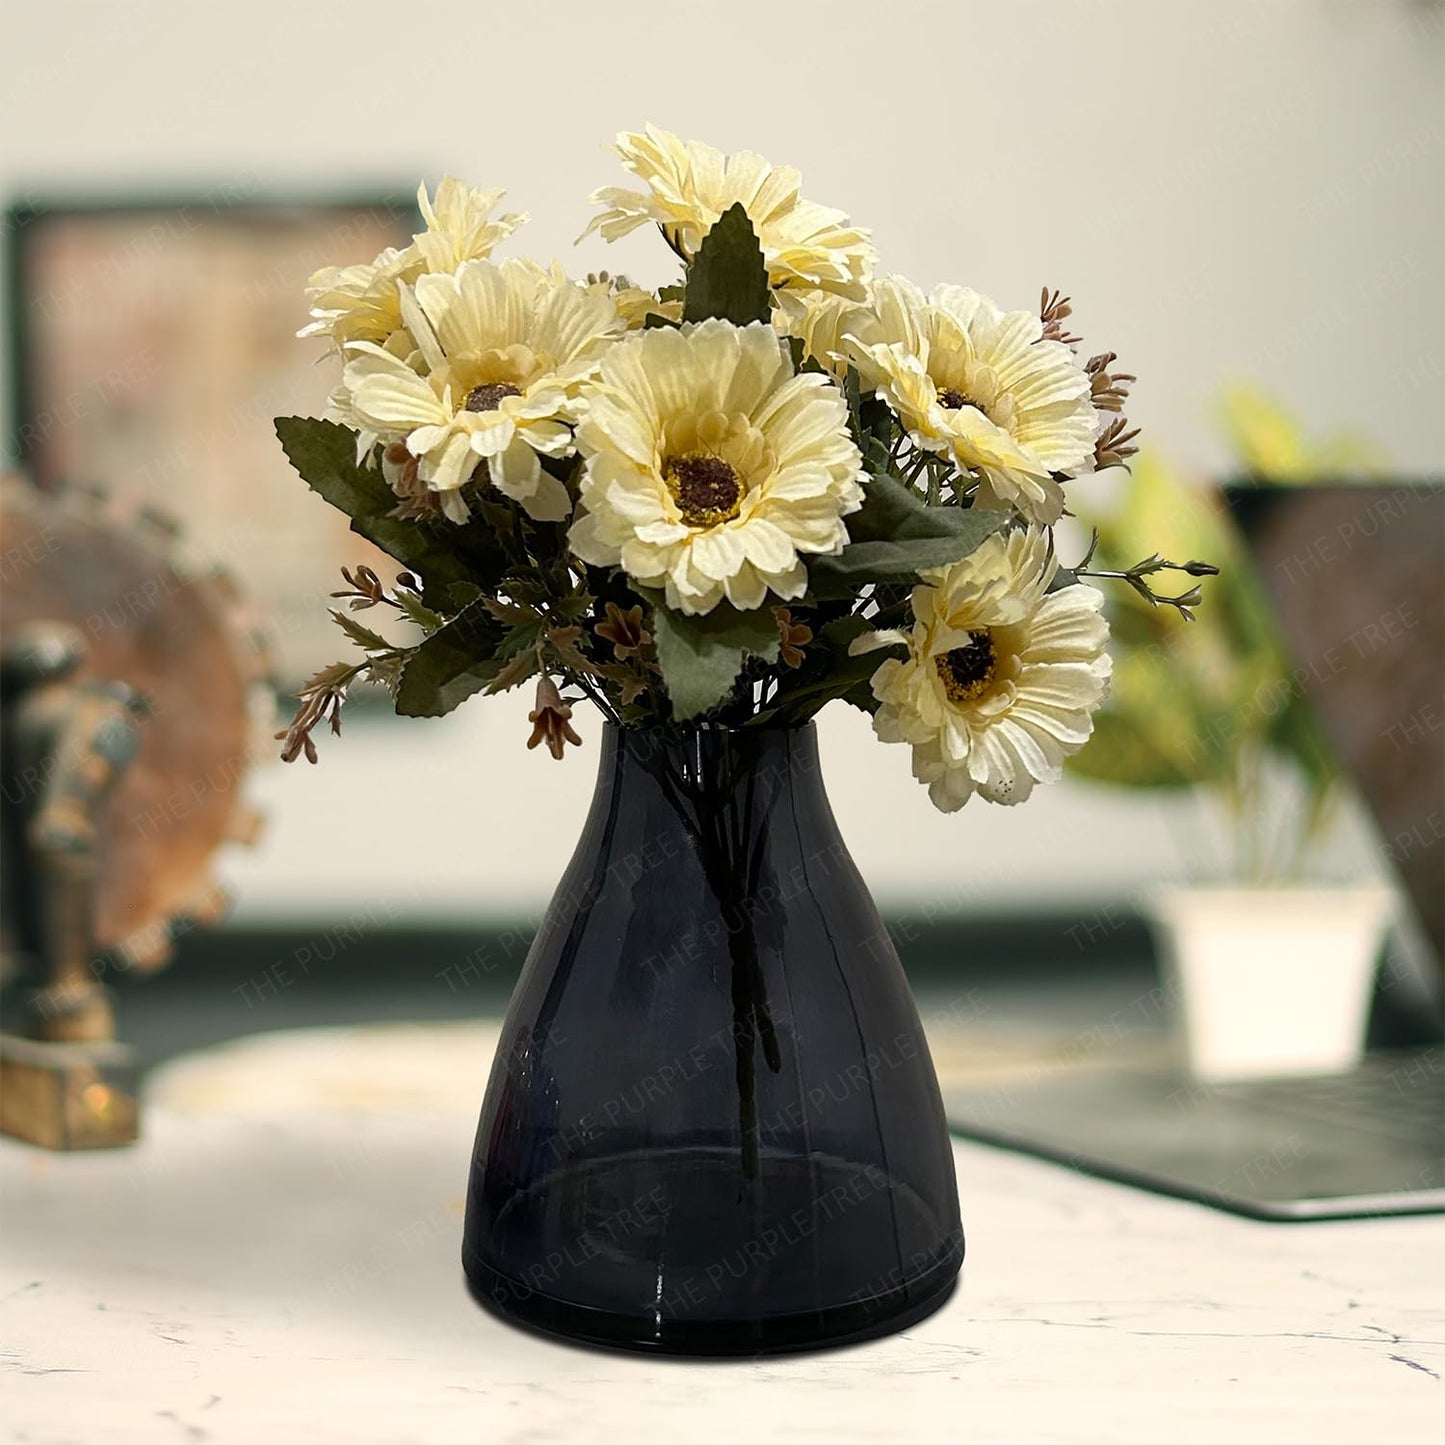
[[712, 1125]]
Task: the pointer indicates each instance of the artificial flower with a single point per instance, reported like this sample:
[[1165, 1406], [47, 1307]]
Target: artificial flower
[[689, 185], [1002, 676], [634, 304], [793, 637], [501, 352], [712, 469], [363, 302], [823, 321], [551, 720], [624, 630], [982, 387]]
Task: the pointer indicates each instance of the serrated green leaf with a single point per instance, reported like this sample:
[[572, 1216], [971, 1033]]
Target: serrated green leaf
[[457, 660], [359, 633], [417, 612], [515, 670], [728, 277], [701, 657], [896, 535], [441, 554], [459, 594]]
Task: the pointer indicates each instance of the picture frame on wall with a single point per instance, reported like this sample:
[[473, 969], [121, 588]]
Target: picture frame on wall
[[151, 344]]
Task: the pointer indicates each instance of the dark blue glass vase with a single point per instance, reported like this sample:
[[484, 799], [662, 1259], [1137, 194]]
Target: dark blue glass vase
[[712, 1125]]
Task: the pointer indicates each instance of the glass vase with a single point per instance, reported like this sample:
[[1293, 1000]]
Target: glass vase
[[712, 1124]]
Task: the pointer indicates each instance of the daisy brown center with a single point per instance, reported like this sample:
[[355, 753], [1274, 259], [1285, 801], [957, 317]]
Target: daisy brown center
[[968, 670], [954, 399], [706, 488], [489, 397]]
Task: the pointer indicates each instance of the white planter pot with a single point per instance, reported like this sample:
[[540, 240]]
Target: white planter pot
[[1271, 982]]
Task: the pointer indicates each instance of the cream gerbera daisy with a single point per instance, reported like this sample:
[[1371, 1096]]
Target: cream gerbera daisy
[[712, 468], [690, 185], [823, 321], [982, 387], [634, 305], [362, 303], [1002, 676], [501, 352]]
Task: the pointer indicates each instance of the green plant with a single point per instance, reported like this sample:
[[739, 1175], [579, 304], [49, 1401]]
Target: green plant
[[1216, 705]]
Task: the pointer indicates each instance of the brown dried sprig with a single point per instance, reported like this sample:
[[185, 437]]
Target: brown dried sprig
[[416, 502], [551, 720], [364, 588], [1116, 445], [624, 630], [793, 637], [321, 699], [1109, 390], [1054, 310]]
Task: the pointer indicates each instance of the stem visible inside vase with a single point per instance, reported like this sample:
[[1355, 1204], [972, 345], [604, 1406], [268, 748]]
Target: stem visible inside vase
[[718, 814]]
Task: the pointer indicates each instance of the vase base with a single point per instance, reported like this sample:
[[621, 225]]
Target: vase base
[[845, 1324]]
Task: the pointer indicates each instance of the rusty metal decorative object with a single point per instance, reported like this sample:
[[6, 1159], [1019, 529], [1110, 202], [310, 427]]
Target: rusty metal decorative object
[[131, 694]]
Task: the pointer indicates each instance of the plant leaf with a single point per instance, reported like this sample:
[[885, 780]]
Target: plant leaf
[[441, 554], [457, 660], [728, 277], [828, 672], [895, 535], [417, 612], [516, 670], [701, 657], [359, 633]]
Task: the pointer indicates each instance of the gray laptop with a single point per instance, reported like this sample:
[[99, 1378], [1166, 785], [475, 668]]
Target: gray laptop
[[1334, 558]]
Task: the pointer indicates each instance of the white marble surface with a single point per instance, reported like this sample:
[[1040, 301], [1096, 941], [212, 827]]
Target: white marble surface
[[277, 1262]]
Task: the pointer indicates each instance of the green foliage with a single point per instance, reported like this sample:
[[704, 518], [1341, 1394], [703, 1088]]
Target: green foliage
[[701, 657], [1272, 446], [359, 633], [457, 660], [727, 277], [1197, 703], [829, 673], [870, 421], [895, 535], [417, 612], [441, 554]]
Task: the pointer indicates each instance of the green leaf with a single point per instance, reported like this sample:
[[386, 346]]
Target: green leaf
[[440, 553], [728, 277], [895, 535], [701, 657], [456, 661], [360, 634], [830, 671], [871, 422], [417, 612], [459, 594]]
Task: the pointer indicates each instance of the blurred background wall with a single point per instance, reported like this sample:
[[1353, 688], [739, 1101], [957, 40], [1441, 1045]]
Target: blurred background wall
[[1239, 190]]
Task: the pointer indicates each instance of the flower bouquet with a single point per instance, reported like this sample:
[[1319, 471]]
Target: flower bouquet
[[710, 509]]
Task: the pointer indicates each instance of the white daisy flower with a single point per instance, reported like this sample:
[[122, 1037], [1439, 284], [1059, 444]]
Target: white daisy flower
[[690, 185], [1002, 676], [501, 352], [982, 387], [712, 469], [363, 303]]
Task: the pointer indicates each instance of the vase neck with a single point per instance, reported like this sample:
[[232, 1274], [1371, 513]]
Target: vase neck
[[752, 769]]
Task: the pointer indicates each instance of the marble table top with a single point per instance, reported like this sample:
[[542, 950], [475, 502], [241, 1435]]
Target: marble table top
[[277, 1261]]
